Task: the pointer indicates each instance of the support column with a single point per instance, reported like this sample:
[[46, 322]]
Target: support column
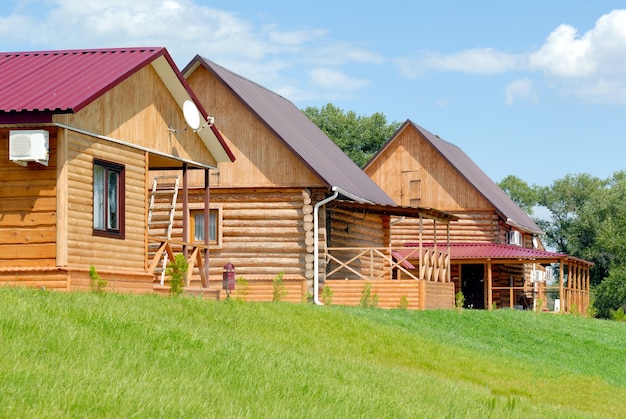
[[489, 286], [185, 208], [207, 224]]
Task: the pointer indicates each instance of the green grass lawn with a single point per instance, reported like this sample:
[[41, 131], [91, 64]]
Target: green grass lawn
[[90, 355]]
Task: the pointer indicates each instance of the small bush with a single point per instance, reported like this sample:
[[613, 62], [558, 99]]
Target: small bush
[[459, 301], [241, 288], [368, 300], [96, 284], [177, 271], [618, 315], [404, 303], [278, 284], [327, 295]]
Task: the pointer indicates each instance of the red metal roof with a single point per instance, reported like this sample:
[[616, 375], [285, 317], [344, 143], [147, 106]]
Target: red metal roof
[[65, 81], [482, 250]]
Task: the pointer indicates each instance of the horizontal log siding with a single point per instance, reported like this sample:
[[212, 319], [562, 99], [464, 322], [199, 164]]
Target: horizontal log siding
[[390, 293], [263, 231], [85, 249], [356, 230], [477, 226], [263, 290], [438, 295], [48, 278], [27, 212]]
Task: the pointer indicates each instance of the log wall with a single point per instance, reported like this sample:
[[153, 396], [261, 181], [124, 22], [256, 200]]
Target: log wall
[[478, 226], [83, 248], [351, 230], [27, 209], [264, 231]]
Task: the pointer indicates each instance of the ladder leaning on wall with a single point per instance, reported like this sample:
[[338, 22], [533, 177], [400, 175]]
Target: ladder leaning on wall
[[161, 211]]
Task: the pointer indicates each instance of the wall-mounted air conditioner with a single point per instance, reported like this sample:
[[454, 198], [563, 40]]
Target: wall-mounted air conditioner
[[515, 238], [538, 276], [29, 145]]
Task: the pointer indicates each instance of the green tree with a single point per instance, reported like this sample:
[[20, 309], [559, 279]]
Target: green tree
[[565, 200], [520, 192], [360, 137], [610, 295]]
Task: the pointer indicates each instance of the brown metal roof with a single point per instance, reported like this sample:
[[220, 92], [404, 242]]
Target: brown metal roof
[[395, 210], [298, 133], [511, 212], [468, 251]]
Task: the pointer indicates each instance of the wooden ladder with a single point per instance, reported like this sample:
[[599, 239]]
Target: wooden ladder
[[161, 211]]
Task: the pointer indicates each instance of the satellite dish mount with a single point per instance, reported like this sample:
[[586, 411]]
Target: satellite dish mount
[[193, 117]]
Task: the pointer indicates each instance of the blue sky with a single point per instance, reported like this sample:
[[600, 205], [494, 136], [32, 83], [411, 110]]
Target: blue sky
[[535, 89]]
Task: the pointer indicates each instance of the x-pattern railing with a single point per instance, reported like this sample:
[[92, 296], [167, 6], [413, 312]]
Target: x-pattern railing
[[194, 251], [378, 263]]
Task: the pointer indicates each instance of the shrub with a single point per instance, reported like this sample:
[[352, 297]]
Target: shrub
[[96, 284], [327, 295], [404, 303], [177, 271], [241, 288], [368, 300], [278, 284], [459, 301]]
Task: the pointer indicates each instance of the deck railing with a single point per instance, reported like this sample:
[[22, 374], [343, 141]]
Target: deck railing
[[195, 257], [381, 263]]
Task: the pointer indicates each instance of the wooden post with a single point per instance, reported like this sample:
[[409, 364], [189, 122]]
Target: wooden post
[[207, 222], [489, 286], [185, 208], [561, 302]]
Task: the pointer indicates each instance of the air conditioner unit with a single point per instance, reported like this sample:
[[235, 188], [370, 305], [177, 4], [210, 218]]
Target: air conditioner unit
[[29, 145], [539, 276], [549, 273], [515, 238]]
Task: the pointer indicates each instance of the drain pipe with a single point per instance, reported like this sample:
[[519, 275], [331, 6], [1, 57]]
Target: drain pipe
[[316, 245], [316, 248]]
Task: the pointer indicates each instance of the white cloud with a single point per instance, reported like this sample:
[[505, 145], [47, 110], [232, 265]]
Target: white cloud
[[475, 61], [563, 54], [478, 61], [333, 80], [521, 89], [590, 66], [600, 51]]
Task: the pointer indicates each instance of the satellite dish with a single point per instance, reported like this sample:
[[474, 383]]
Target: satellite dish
[[192, 115]]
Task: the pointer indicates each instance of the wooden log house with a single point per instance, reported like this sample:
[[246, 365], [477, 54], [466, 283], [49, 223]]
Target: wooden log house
[[497, 258], [80, 133], [294, 204]]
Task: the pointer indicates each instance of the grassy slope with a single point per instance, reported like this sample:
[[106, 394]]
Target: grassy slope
[[88, 355]]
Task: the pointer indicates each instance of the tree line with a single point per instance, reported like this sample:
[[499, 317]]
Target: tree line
[[582, 215]]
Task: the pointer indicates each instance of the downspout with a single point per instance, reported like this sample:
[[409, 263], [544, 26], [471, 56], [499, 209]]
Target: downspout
[[316, 245]]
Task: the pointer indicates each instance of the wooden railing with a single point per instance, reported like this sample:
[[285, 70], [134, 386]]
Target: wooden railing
[[195, 257], [380, 263]]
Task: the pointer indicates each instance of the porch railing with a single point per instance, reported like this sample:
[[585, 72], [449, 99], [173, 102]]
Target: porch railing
[[195, 257], [381, 263]]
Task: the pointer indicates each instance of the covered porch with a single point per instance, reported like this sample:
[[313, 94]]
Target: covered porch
[[504, 276], [354, 266]]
